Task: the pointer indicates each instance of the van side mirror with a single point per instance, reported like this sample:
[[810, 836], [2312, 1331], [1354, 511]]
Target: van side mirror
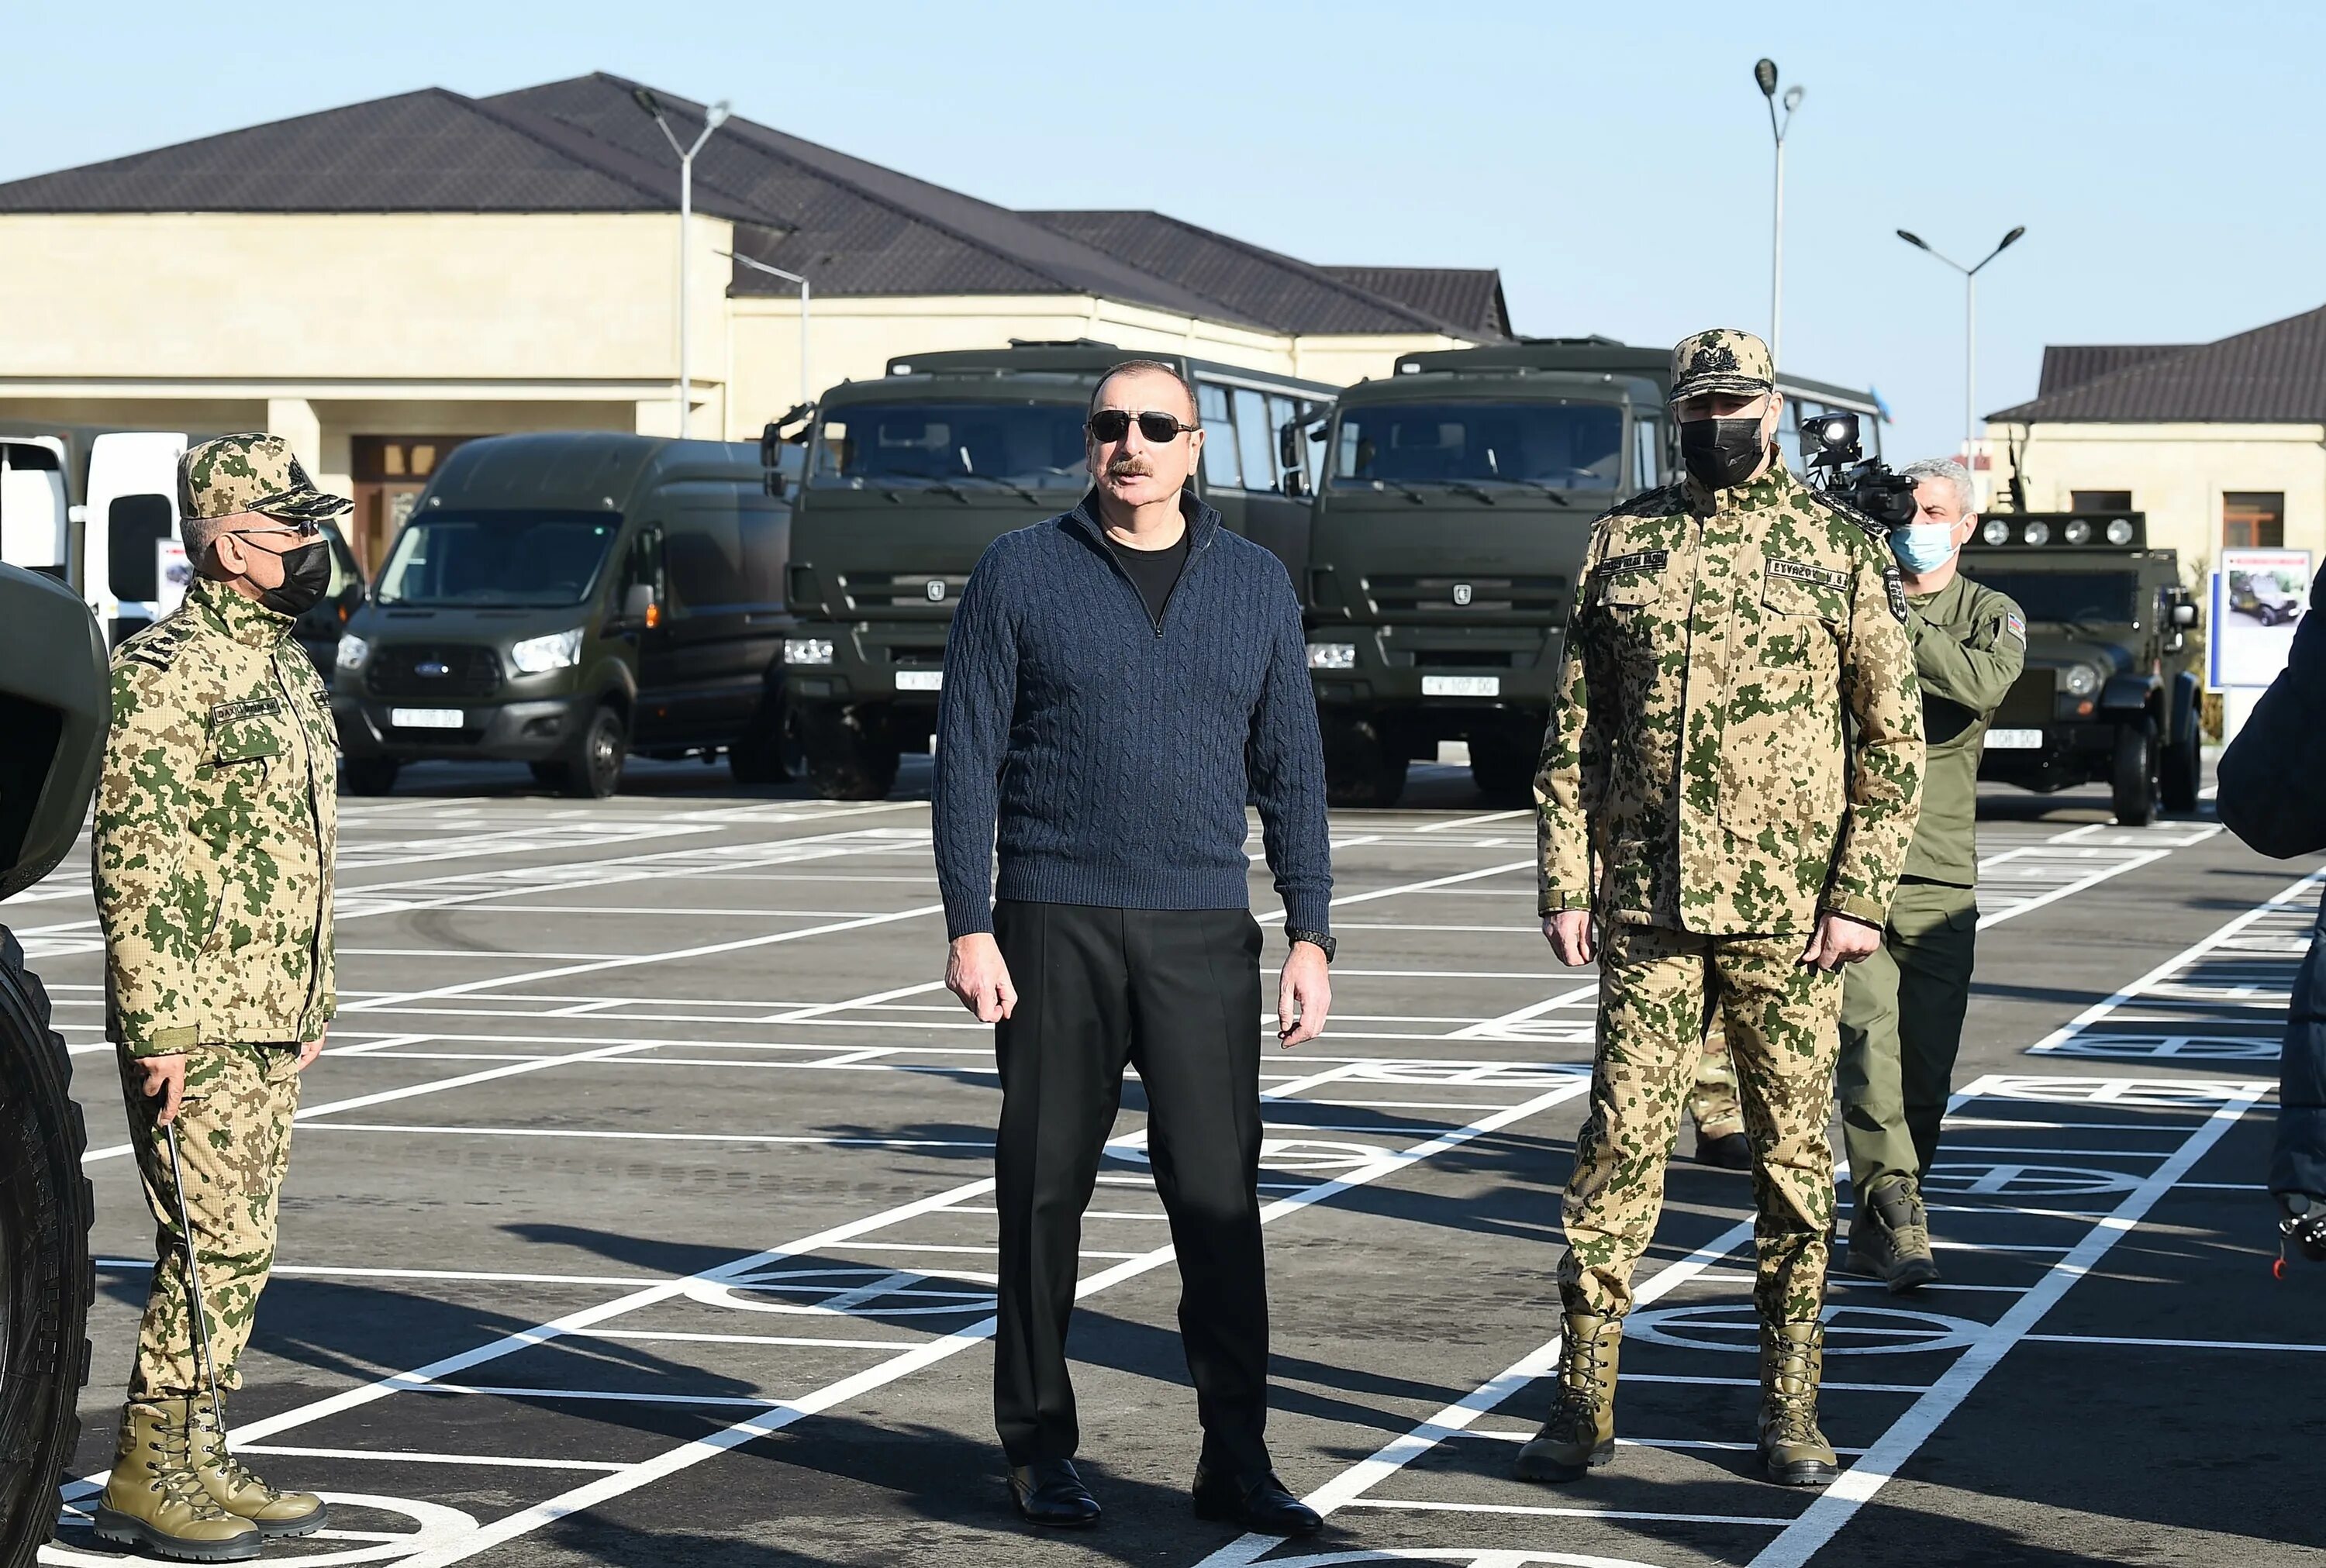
[[639, 602], [1288, 446], [1296, 482]]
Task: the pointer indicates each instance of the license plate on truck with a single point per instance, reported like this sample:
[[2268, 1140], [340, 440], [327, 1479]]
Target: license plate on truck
[[2015, 741], [425, 718], [920, 680], [1461, 685]]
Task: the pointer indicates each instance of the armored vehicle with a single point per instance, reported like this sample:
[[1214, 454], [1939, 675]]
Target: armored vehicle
[[54, 711], [911, 477], [564, 600], [2110, 690], [1448, 527]]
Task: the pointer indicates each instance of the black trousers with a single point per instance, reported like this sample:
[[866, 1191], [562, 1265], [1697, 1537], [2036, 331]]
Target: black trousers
[[1176, 994]]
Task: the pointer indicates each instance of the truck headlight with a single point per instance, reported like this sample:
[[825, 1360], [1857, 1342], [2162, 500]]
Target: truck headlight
[[2080, 679], [1332, 655], [353, 652], [807, 650], [540, 655]]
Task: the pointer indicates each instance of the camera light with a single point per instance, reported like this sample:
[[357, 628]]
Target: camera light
[[539, 655], [2119, 532], [2080, 680], [1332, 655], [2078, 531], [807, 650], [1997, 532], [353, 652], [2039, 533]]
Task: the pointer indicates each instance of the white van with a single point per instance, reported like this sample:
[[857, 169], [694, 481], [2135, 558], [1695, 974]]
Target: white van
[[35, 516], [130, 539]]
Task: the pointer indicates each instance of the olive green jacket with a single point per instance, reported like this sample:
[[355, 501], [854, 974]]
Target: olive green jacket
[[1969, 642], [216, 826]]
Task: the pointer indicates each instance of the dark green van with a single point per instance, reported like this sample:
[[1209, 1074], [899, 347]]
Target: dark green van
[[564, 600], [912, 475]]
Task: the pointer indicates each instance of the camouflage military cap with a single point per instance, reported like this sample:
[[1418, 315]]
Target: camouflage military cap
[[251, 473], [1723, 360]]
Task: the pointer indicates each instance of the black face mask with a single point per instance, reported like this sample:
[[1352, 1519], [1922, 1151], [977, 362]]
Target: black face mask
[[1721, 452], [306, 573]]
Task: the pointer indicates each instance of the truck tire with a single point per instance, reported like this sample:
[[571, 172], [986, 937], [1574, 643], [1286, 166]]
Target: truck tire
[[1362, 769], [370, 775], [848, 758], [594, 771], [1503, 769], [2183, 767], [46, 1280], [2131, 779]]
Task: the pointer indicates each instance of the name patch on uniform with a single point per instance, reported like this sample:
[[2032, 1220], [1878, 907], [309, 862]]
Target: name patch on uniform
[[1895, 591], [1801, 571], [1638, 561], [255, 708]]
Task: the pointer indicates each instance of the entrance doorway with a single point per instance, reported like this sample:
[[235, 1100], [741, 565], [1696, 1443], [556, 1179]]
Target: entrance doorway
[[390, 472]]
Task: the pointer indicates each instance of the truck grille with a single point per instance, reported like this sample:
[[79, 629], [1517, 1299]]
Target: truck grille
[[1443, 595], [930, 657], [467, 671], [902, 591]]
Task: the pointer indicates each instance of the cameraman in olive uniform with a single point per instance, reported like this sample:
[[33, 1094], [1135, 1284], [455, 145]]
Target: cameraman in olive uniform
[[1902, 1009]]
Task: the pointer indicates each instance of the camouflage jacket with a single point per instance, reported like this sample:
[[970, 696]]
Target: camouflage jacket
[[216, 825], [1738, 738]]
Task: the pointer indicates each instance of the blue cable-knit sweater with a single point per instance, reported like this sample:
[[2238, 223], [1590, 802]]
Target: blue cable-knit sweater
[[1113, 750]]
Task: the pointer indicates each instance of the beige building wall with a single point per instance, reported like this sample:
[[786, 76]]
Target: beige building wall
[[2178, 475]]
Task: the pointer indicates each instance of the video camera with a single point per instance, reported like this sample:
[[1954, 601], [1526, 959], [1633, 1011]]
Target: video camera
[[1830, 443]]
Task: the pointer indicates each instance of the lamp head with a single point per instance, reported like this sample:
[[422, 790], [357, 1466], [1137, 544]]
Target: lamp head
[[1793, 97], [1913, 239], [2010, 239], [645, 101], [716, 116], [1764, 72]]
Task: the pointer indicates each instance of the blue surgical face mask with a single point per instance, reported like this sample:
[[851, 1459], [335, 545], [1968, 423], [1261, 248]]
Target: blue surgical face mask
[[1923, 547]]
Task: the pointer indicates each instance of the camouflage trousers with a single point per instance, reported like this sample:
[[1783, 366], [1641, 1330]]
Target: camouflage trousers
[[1712, 1098], [234, 1140], [1658, 989]]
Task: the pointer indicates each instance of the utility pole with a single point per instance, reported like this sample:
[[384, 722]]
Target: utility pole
[[1765, 74], [1970, 326], [712, 119], [807, 388]]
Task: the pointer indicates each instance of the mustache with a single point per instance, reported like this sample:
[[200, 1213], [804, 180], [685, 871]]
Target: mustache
[[1125, 467]]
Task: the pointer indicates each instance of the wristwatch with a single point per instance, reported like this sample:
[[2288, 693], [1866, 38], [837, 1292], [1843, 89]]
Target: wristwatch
[[1317, 937]]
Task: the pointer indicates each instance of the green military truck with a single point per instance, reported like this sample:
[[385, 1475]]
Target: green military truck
[[54, 707], [1448, 527], [909, 478], [2110, 692]]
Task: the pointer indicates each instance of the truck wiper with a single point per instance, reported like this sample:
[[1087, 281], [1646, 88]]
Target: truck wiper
[[1464, 488], [1538, 484], [936, 482], [1006, 484]]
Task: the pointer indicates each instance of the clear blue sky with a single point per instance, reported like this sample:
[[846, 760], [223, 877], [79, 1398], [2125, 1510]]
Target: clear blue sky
[[1611, 159]]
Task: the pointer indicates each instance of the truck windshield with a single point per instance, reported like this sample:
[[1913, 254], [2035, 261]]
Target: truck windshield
[[500, 558], [1561, 445], [1033, 445], [2066, 597]]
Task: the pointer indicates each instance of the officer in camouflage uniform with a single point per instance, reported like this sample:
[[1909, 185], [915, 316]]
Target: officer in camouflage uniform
[[1902, 1010], [215, 830], [1728, 788]]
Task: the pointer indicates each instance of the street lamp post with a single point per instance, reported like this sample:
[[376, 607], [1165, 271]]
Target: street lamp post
[[807, 388], [1970, 324], [1764, 73], [712, 119]]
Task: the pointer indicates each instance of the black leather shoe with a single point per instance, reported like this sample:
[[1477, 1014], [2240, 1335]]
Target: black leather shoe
[[1729, 1152], [1258, 1503], [1048, 1492]]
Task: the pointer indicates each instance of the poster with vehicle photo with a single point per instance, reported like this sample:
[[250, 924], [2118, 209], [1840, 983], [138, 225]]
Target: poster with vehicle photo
[[2259, 596]]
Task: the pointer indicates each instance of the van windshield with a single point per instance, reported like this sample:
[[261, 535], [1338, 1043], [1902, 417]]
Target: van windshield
[[1561, 445], [2065, 597], [1037, 445], [530, 558]]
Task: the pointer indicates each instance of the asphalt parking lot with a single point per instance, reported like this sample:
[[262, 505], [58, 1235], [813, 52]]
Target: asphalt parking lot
[[640, 1213]]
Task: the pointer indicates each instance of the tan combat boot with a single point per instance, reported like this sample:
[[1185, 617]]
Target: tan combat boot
[[1793, 1451], [1580, 1435], [232, 1486], [1890, 1237], [154, 1501]]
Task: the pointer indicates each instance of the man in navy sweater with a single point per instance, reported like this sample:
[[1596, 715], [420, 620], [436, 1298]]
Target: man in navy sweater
[[1119, 681]]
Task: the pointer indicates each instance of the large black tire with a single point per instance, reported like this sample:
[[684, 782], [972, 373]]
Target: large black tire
[[1503, 768], [848, 756], [594, 771], [1360, 768], [2182, 771], [2131, 778], [46, 1280], [370, 775]]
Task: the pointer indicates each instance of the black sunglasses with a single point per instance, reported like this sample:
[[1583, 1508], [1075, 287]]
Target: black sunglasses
[[1109, 426], [299, 527]]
